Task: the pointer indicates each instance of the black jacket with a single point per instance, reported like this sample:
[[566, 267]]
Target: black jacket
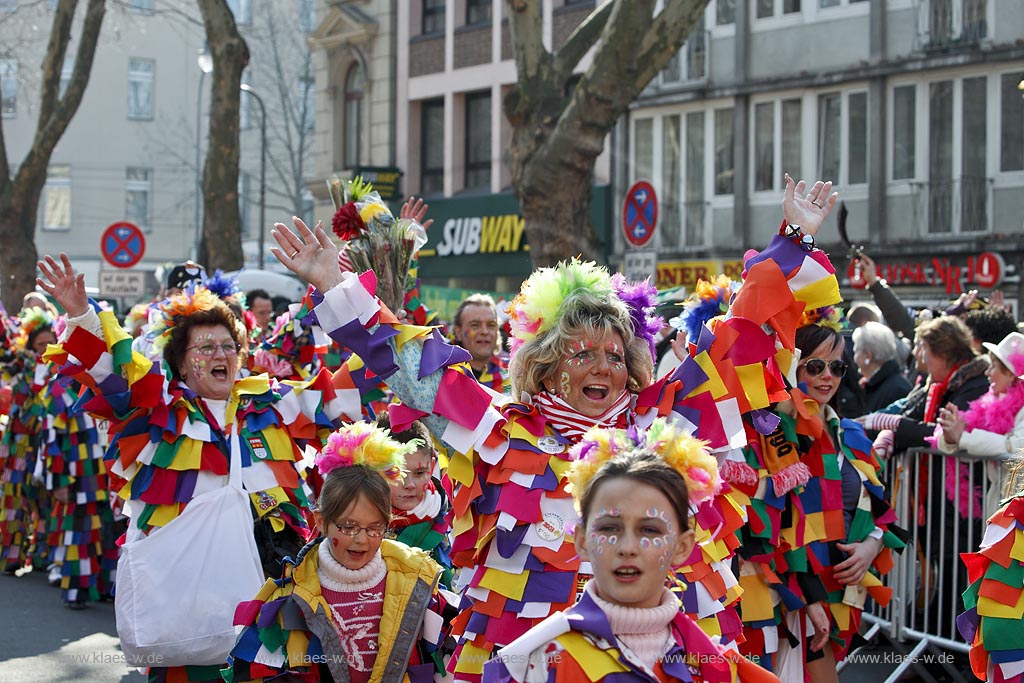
[[885, 386]]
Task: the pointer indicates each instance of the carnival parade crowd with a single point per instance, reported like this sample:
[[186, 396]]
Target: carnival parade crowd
[[577, 485]]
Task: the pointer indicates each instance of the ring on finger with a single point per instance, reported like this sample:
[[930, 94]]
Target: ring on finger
[[820, 206]]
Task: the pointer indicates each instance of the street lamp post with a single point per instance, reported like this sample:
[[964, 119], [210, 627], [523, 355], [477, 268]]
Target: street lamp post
[[263, 166], [205, 61]]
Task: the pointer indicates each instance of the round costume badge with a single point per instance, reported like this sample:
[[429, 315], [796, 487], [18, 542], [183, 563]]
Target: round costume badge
[[551, 528], [550, 445]]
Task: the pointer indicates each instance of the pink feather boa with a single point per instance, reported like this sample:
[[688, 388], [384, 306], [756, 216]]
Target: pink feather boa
[[991, 412]]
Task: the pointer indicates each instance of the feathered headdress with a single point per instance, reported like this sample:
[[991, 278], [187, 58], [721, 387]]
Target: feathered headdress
[[550, 292], [192, 300], [361, 443], [29, 321], [226, 287], [679, 450], [708, 300], [827, 316]]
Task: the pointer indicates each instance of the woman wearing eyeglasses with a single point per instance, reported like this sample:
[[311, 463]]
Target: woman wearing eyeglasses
[[837, 526], [176, 426]]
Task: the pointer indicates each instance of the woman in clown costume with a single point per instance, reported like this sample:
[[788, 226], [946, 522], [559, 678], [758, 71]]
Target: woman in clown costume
[[581, 357], [25, 505], [176, 425]]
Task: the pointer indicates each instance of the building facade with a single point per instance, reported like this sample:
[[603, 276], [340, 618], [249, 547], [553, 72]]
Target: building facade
[[911, 107], [135, 148]]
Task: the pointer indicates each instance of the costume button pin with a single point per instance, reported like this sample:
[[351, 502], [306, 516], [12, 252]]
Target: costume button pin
[[551, 528], [550, 445]]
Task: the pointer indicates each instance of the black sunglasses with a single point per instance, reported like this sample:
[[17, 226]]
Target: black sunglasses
[[816, 366]]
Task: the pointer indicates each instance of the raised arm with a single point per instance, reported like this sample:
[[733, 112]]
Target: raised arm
[[65, 285]]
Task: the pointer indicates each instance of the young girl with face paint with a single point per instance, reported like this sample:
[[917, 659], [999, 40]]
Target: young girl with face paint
[[633, 491], [356, 606], [421, 503]]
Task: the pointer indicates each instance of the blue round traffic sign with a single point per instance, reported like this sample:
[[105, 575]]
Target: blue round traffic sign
[[123, 244], [640, 213]]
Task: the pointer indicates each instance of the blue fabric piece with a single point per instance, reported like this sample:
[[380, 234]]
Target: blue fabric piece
[[509, 541]]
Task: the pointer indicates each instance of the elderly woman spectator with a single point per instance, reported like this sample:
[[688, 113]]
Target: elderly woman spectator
[[180, 424], [876, 353], [582, 356]]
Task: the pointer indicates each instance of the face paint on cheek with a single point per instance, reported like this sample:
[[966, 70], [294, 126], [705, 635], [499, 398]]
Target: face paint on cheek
[[334, 542], [564, 387]]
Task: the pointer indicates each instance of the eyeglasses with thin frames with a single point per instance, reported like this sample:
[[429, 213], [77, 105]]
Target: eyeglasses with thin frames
[[816, 366], [350, 529], [207, 350]]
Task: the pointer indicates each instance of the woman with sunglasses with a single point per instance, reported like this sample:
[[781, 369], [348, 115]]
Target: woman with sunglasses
[[837, 526]]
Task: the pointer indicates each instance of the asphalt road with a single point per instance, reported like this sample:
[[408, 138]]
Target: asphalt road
[[41, 640]]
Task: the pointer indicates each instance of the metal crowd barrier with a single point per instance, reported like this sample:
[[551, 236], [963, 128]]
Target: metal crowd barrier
[[929, 577]]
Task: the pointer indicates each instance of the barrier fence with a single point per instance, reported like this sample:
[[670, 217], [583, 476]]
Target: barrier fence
[[942, 500]]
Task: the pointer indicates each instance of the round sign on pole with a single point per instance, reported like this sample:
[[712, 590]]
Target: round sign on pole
[[640, 213], [122, 244]]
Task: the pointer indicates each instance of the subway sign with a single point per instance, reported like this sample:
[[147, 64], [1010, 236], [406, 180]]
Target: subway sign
[[482, 235]]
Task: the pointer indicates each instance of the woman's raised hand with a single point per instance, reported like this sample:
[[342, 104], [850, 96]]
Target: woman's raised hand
[[416, 209], [65, 285], [808, 211], [310, 254]]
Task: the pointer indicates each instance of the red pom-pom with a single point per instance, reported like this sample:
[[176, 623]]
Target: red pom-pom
[[347, 223]]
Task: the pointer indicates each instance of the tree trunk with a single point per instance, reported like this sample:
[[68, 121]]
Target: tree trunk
[[221, 245], [19, 196], [557, 135]]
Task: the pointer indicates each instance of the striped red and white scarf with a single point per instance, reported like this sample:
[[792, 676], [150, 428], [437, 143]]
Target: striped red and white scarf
[[572, 424]]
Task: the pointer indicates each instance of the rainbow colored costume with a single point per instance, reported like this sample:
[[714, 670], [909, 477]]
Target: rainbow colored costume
[[994, 600]]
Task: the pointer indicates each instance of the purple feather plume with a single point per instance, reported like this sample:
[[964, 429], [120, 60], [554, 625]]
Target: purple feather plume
[[641, 299]]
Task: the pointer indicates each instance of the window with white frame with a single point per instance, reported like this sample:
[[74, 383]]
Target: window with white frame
[[478, 11], [778, 143], [824, 4], [478, 140], [307, 16], [689, 63], [669, 152], [56, 202], [242, 11], [842, 137], [432, 16], [725, 12], [1011, 121], [140, 89], [954, 198], [772, 8], [354, 83], [137, 188], [306, 94], [9, 87], [725, 163], [904, 132], [432, 146]]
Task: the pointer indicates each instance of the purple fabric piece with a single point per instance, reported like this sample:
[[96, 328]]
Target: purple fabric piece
[[547, 481], [372, 348], [549, 586], [268, 613], [420, 673], [691, 375], [185, 486], [689, 597], [509, 541], [967, 623], [438, 353], [689, 412], [765, 421], [113, 384], [533, 564], [477, 622], [586, 617], [705, 340], [496, 672], [784, 251], [487, 503]]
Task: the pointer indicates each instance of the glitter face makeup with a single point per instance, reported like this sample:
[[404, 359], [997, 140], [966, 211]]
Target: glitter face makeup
[[632, 542], [596, 368], [211, 376]]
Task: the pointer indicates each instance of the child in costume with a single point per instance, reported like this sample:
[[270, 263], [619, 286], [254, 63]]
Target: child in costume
[[421, 505], [356, 606], [633, 491]]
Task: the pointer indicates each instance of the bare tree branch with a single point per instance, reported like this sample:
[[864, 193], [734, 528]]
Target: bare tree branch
[[581, 40]]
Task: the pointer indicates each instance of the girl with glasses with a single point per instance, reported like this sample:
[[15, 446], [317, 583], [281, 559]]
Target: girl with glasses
[[355, 606]]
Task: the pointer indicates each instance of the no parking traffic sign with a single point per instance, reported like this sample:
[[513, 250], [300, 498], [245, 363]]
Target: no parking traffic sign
[[123, 244], [640, 213]]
